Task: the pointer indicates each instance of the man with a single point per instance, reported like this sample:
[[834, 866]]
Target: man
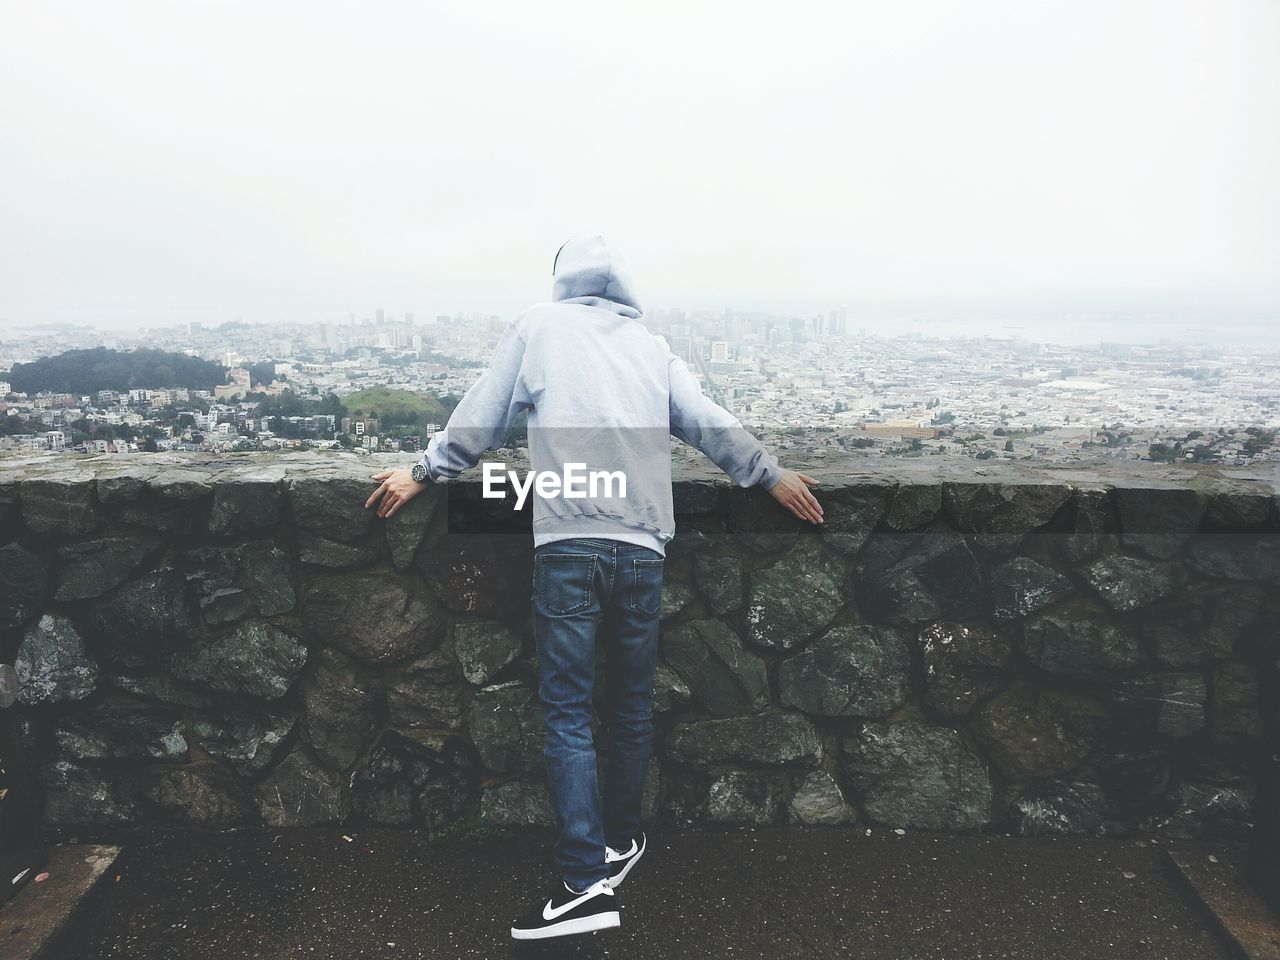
[[603, 393]]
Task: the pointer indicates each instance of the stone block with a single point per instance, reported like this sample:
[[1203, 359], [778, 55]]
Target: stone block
[[795, 598], [423, 781], [914, 505], [913, 579], [670, 693], [1169, 705], [766, 739], [910, 774], [721, 581], [1029, 733], [122, 731], [300, 792], [721, 673], [516, 803], [260, 571], [505, 723], [340, 711], [963, 665], [1236, 556], [818, 801], [58, 505], [53, 664], [196, 795], [483, 648], [92, 567], [24, 586], [480, 575], [1064, 808], [329, 506], [1001, 514], [255, 658], [854, 671], [377, 617], [248, 740], [851, 513], [77, 796], [1079, 643], [407, 527], [1022, 586], [426, 694], [744, 798], [145, 619], [245, 505], [1158, 520], [1128, 583]]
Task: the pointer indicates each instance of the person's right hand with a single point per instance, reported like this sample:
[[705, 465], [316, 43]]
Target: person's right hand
[[792, 491]]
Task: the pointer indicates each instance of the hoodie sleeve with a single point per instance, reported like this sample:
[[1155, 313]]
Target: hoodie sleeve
[[484, 415], [701, 422]]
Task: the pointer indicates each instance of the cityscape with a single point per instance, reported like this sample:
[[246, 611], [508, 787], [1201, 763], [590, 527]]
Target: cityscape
[[387, 381]]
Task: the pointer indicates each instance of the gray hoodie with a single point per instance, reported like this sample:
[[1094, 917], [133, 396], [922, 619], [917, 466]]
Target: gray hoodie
[[601, 391]]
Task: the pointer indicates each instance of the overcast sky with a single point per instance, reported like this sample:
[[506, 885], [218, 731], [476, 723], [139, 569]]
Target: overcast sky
[[302, 160]]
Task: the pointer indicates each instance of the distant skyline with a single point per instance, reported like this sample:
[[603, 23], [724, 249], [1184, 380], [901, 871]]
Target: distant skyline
[[1064, 330], [993, 162]]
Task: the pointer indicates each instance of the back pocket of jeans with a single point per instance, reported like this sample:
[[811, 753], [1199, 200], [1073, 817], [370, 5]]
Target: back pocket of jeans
[[564, 582], [646, 586]]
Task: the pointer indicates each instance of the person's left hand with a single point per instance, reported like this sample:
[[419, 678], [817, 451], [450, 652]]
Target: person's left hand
[[792, 491], [397, 488]]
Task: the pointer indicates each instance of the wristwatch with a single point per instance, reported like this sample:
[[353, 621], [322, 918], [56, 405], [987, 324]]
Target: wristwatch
[[419, 472]]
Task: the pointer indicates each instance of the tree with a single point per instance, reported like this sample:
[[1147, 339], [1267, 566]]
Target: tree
[[1008, 445], [99, 368], [262, 373]]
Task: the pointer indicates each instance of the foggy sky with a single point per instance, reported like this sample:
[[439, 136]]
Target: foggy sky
[[303, 160]]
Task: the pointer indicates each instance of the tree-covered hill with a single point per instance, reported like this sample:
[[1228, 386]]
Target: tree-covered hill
[[86, 371]]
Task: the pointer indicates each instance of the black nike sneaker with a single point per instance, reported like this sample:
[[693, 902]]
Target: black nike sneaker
[[566, 912], [621, 862]]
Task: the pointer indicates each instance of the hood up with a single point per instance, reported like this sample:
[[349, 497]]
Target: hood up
[[587, 270]]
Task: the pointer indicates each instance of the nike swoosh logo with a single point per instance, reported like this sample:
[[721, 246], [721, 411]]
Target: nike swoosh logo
[[550, 913], [611, 855]]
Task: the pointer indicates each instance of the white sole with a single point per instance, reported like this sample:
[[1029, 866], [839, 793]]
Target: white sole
[[599, 921], [614, 881]]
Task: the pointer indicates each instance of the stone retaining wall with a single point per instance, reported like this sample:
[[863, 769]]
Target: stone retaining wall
[[238, 642]]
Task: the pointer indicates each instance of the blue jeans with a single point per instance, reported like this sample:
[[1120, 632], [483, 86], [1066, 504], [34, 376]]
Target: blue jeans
[[584, 589]]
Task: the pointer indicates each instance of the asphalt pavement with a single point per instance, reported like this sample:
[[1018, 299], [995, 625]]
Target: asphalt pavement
[[753, 893]]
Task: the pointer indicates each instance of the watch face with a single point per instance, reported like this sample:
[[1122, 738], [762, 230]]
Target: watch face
[[419, 473]]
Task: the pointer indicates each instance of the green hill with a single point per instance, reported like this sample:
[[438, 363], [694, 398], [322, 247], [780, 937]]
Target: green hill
[[395, 408], [87, 371]]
